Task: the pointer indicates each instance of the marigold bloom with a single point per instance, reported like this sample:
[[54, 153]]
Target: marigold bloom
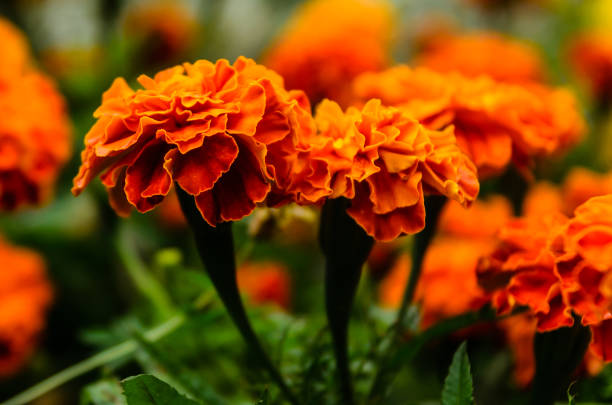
[[34, 143], [479, 54], [265, 283], [14, 50], [351, 37], [495, 123], [558, 267], [590, 55], [227, 134], [385, 162], [25, 294]]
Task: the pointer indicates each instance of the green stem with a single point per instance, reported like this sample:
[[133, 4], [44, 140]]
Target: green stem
[[346, 247], [109, 355], [557, 355], [433, 208], [215, 246], [146, 284]]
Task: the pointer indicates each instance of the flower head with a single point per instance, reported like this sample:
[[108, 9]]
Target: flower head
[[34, 143], [557, 267], [25, 294], [479, 54], [328, 42], [495, 123], [227, 134], [385, 162], [265, 283], [14, 50]]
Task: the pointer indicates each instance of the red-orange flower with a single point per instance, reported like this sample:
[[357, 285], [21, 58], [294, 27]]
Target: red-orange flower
[[479, 54], [265, 283], [558, 267], [227, 134], [25, 294], [590, 54], [385, 162], [35, 139], [329, 42], [14, 50], [495, 123], [521, 270]]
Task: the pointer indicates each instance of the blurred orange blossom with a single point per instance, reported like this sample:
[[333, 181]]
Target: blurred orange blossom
[[25, 295]]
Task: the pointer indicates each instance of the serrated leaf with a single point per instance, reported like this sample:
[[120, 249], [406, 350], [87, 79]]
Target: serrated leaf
[[458, 389], [146, 389]]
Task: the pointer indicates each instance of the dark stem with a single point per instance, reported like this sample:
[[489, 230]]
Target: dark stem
[[216, 248], [557, 354], [346, 247]]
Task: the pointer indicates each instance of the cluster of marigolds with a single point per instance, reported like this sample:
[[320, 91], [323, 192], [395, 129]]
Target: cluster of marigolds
[[383, 137]]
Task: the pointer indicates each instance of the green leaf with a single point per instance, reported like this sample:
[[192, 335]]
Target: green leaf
[[104, 392], [146, 389], [458, 388]]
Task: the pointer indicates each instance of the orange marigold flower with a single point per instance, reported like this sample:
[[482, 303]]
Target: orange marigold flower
[[14, 50], [521, 271], [351, 37], [479, 54], [34, 143], [25, 294], [495, 123], [590, 54], [558, 267], [385, 162], [265, 283], [227, 134]]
